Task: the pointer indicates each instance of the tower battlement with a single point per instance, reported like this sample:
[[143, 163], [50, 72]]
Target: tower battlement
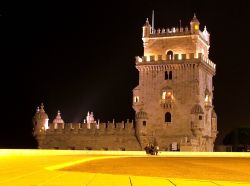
[[177, 58], [171, 41], [178, 31], [108, 127]]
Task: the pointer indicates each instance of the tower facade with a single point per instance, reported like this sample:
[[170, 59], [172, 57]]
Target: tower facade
[[174, 99]]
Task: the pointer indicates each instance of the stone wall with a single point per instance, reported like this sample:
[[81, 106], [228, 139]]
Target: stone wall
[[106, 136]]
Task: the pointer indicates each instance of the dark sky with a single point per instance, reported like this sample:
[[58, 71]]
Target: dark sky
[[79, 57]]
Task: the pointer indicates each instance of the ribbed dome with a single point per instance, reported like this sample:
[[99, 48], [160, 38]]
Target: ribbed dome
[[214, 115], [141, 115], [40, 113], [146, 23], [195, 19], [58, 118], [197, 109], [207, 92]]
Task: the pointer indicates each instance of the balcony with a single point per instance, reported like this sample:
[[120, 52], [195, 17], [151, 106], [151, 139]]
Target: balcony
[[208, 105], [197, 126], [166, 104]]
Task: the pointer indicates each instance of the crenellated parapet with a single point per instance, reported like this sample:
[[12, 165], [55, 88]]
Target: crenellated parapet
[[150, 32], [176, 31], [170, 31], [100, 128], [177, 58]]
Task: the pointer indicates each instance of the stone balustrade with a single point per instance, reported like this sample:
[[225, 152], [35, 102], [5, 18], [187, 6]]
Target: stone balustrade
[[175, 31], [175, 58], [84, 127]]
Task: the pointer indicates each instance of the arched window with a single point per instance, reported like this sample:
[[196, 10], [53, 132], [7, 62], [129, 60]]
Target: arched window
[[166, 75], [144, 123], [170, 75], [170, 55], [168, 117], [136, 99]]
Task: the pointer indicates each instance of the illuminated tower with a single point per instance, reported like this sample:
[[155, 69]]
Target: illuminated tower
[[173, 101]]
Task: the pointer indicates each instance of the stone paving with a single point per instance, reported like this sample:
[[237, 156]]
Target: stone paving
[[47, 168]]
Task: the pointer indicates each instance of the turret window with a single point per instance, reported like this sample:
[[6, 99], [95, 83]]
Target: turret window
[[168, 75], [136, 99], [170, 55], [200, 117], [144, 123], [207, 99], [168, 117]]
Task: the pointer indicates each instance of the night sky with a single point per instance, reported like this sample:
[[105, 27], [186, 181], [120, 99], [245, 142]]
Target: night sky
[[79, 57]]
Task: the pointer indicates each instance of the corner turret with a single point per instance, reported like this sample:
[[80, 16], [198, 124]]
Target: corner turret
[[40, 123], [146, 31], [214, 124], [197, 120], [40, 120], [194, 25], [58, 120], [206, 35], [141, 127]]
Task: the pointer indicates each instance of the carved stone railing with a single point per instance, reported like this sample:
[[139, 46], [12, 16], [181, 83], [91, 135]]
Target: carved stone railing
[[177, 58]]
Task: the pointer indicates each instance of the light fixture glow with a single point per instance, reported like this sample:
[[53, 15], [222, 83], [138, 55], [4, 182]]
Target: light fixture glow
[[163, 95], [206, 98]]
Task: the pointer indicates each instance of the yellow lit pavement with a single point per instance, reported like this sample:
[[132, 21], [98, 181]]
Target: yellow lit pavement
[[48, 168]]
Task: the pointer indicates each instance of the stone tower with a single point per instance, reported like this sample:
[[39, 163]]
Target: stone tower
[[173, 101]]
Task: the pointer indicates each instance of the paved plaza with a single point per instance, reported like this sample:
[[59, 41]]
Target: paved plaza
[[97, 168]]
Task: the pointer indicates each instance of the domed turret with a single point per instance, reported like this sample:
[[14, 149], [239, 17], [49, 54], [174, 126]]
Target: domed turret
[[197, 121], [194, 25], [197, 109], [214, 115], [206, 35], [214, 124], [146, 29], [40, 113], [58, 118], [141, 127], [40, 120], [141, 115]]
